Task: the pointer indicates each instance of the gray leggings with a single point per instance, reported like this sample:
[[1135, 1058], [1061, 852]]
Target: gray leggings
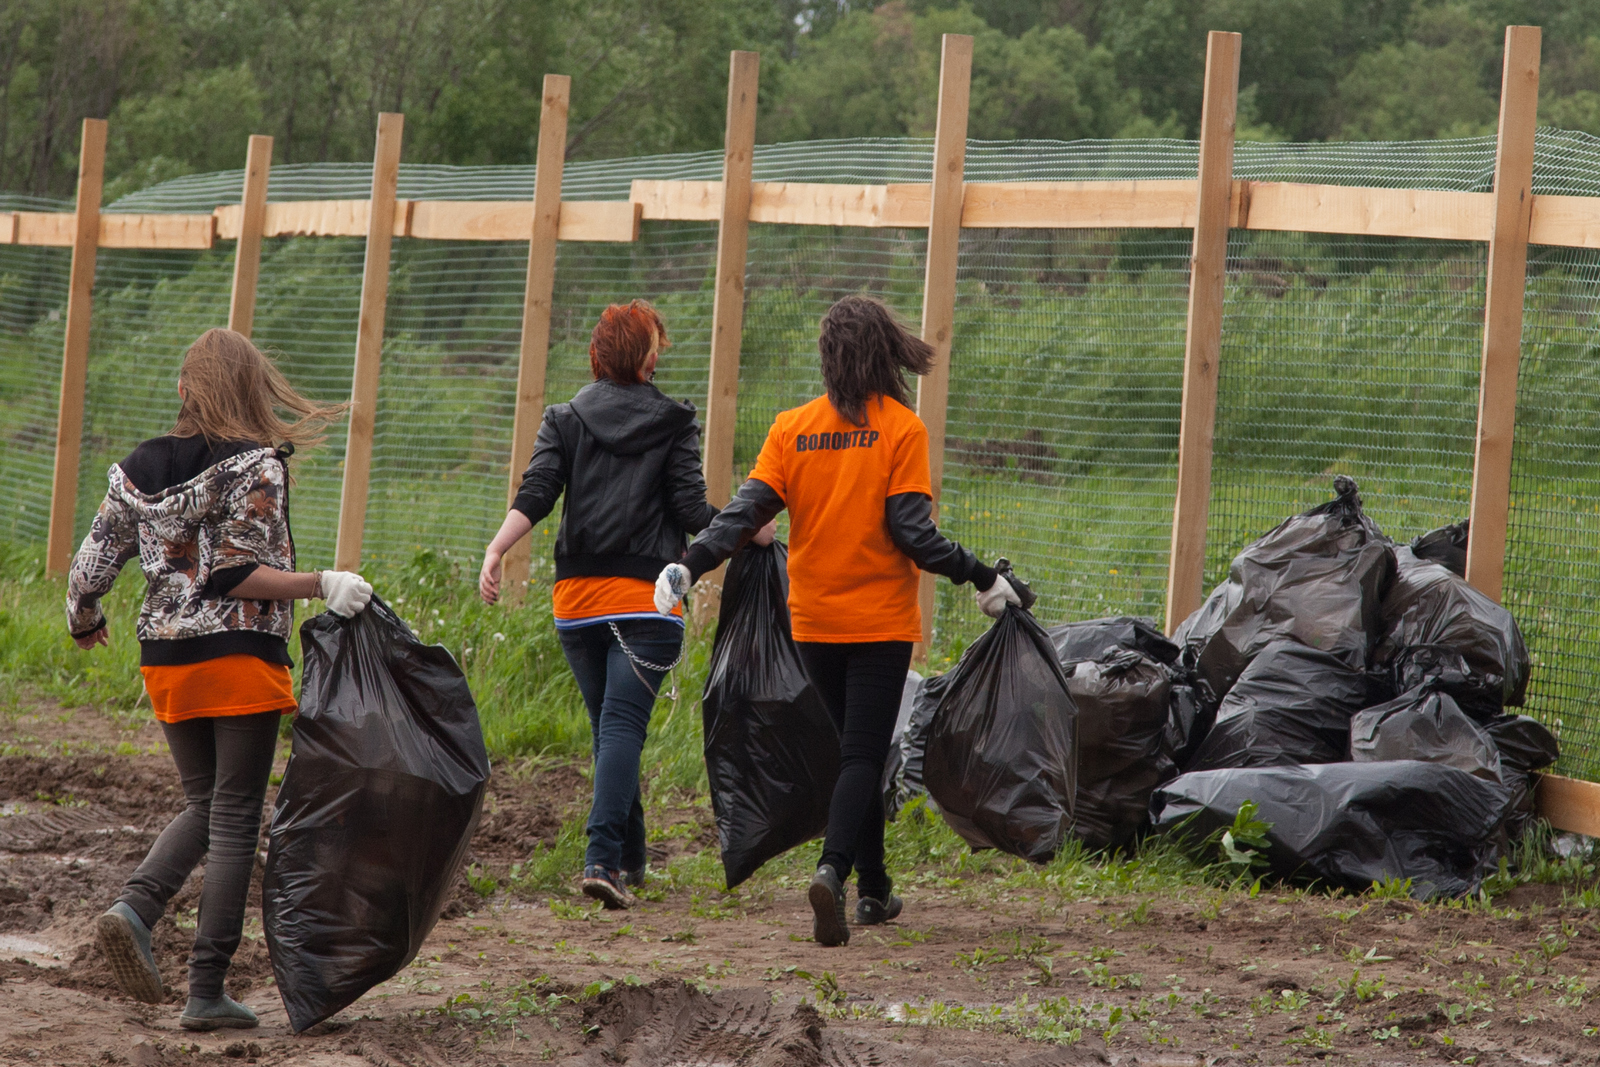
[[224, 764]]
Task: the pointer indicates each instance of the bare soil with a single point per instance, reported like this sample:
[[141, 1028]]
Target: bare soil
[[697, 976]]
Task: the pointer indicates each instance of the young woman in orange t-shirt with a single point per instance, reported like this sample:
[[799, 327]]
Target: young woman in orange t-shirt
[[624, 459], [205, 511], [851, 467]]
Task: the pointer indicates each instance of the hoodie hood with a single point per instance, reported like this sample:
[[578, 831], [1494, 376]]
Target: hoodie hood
[[630, 419], [175, 512]]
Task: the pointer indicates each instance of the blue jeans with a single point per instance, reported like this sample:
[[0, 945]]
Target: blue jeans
[[619, 704]]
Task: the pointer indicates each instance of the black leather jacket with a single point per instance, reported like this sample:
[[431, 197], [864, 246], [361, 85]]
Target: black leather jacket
[[628, 459]]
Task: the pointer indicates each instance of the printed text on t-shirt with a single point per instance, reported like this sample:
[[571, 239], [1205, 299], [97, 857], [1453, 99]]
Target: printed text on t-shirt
[[833, 442]]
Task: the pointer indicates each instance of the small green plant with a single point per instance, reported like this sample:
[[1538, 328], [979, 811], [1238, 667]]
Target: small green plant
[[1245, 842], [1390, 888], [1363, 990], [1386, 1033], [481, 881]]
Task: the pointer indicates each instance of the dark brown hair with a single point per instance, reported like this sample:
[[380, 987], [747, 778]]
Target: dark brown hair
[[623, 340], [233, 392], [864, 348]]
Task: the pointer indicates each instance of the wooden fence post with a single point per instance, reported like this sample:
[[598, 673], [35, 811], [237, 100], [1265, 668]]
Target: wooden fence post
[[536, 308], [1502, 311], [1208, 265], [939, 279], [369, 342], [75, 350], [727, 308], [252, 222]]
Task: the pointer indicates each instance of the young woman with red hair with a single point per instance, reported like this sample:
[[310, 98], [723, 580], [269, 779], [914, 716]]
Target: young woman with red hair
[[627, 459]]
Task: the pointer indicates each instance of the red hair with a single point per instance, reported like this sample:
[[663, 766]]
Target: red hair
[[623, 340]]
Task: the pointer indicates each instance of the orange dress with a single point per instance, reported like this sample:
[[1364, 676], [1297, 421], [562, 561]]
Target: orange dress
[[213, 688]]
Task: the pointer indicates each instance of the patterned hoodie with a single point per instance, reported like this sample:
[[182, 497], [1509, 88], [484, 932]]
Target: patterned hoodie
[[230, 517]]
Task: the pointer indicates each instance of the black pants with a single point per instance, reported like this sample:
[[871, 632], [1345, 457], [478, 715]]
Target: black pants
[[861, 684], [224, 764]]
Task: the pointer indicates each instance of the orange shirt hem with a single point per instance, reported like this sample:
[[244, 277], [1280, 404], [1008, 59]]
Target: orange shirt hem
[[218, 688]]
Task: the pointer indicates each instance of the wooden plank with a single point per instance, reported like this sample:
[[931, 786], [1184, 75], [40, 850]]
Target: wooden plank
[[252, 224], [544, 226], [1570, 221], [157, 231], [369, 342], [727, 309], [1079, 205], [1431, 213], [314, 218], [512, 220], [1569, 804], [8, 227], [939, 278], [1203, 329], [75, 348], [1502, 314], [678, 201]]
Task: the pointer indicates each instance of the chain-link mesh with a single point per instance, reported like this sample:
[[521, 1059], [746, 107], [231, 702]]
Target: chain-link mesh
[[1340, 354], [33, 301]]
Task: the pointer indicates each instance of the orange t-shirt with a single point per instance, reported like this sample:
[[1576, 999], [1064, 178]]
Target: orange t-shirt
[[585, 601], [213, 688], [847, 580]]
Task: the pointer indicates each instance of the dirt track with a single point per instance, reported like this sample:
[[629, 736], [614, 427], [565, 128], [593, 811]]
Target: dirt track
[[699, 977]]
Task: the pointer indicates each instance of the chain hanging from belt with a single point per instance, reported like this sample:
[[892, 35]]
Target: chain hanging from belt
[[636, 662]]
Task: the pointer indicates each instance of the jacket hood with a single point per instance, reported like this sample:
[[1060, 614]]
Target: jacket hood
[[175, 511], [630, 419]]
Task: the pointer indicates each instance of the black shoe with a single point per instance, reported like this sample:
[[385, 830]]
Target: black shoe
[[219, 1013], [606, 887], [827, 906], [633, 879], [125, 941], [870, 911]]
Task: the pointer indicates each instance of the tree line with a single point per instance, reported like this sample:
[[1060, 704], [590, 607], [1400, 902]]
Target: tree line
[[185, 81]]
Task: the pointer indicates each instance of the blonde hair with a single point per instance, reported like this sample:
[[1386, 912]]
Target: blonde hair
[[233, 392]]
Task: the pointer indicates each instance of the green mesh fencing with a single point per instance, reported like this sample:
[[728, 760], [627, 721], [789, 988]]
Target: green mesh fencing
[[1340, 355]]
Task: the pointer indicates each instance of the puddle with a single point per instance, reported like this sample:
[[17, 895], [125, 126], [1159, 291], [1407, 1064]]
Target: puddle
[[36, 952]]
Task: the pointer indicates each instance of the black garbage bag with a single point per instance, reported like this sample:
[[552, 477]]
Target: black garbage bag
[[1446, 546], [377, 807], [1002, 752], [1291, 705], [1352, 824], [1525, 746], [1424, 724], [1077, 642], [1124, 702], [1436, 626], [1189, 720], [1317, 579], [902, 771], [772, 751]]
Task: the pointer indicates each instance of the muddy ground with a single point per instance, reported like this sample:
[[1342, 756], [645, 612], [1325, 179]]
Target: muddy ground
[[973, 973]]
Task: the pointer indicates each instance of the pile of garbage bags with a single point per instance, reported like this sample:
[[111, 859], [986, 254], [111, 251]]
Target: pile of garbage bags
[[1354, 689], [1360, 692]]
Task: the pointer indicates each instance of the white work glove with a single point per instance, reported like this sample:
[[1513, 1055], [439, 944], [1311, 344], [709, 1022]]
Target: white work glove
[[993, 600], [671, 585], [346, 592]]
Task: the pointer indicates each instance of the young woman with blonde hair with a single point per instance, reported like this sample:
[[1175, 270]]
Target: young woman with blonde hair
[[205, 511]]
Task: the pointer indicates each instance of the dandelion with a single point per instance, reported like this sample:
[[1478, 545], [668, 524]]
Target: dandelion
[[499, 636]]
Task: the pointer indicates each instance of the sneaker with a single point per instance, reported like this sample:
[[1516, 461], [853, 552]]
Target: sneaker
[[633, 879], [606, 887], [827, 907], [870, 911], [216, 1013], [125, 940]]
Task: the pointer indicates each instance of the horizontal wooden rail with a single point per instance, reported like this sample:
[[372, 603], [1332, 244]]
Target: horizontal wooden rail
[[1567, 221], [57, 229], [1569, 804]]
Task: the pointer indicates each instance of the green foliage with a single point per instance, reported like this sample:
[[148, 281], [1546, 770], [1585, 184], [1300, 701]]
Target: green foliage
[[1243, 844], [184, 80]]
